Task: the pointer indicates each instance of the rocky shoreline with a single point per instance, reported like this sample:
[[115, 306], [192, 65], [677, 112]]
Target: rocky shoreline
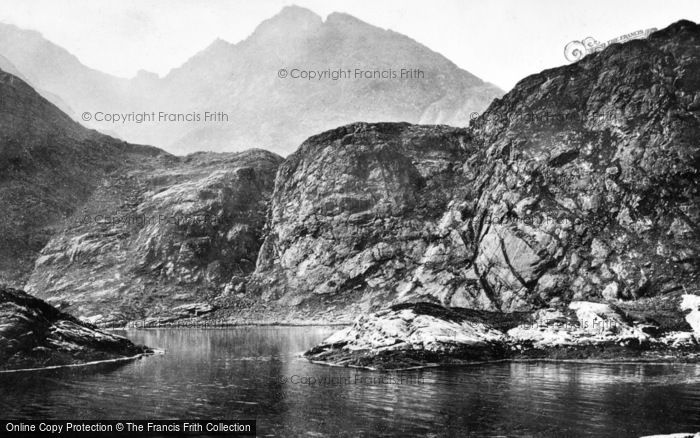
[[35, 335], [207, 316], [424, 334]]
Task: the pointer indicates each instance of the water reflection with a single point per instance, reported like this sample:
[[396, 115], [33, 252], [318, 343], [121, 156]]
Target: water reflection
[[246, 373]]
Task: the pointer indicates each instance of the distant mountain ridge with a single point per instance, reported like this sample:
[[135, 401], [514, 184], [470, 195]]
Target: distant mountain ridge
[[241, 80]]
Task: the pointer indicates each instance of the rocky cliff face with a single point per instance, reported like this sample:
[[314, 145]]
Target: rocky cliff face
[[581, 183], [354, 212], [160, 240], [33, 334]]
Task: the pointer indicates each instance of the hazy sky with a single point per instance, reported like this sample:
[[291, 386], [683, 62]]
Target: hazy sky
[[500, 41]]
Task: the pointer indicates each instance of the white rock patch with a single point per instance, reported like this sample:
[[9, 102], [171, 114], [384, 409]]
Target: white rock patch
[[692, 303]]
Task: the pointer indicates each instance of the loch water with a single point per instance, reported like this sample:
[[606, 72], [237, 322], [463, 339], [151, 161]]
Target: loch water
[[256, 373]]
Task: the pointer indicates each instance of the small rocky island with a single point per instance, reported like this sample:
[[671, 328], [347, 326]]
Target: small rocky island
[[34, 334], [422, 334]]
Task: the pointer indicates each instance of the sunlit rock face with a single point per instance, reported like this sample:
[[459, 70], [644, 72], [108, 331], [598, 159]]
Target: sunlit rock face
[[692, 303], [354, 211]]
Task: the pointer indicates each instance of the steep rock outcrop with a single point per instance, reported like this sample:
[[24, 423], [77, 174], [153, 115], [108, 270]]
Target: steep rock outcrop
[[353, 212], [33, 335]]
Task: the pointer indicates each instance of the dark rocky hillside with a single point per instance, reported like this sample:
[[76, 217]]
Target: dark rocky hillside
[[48, 166], [587, 183]]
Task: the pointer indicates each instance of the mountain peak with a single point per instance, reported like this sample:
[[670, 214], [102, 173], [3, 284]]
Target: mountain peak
[[290, 20], [224, 73], [296, 12], [218, 43], [217, 46]]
